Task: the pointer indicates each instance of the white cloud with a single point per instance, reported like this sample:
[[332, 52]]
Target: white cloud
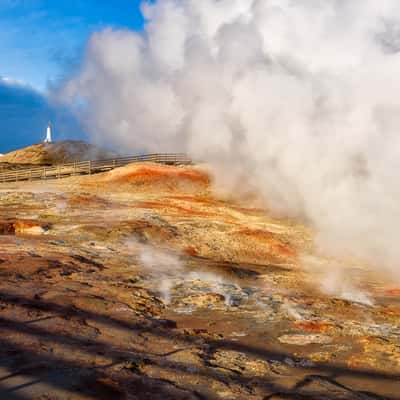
[[303, 96]]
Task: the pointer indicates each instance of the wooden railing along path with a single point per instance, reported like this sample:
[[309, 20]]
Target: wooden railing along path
[[89, 167]]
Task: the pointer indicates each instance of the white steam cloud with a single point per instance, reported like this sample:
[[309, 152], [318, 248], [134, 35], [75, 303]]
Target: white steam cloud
[[303, 96]]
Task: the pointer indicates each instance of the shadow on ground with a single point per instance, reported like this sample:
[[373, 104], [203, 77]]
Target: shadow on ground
[[40, 363]]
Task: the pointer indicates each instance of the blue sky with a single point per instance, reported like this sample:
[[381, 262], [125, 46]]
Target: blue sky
[[40, 40]]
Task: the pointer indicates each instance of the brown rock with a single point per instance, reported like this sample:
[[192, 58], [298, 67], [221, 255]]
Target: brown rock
[[205, 300], [26, 227]]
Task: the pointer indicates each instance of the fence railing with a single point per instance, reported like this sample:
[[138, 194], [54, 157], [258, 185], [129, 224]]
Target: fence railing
[[89, 167]]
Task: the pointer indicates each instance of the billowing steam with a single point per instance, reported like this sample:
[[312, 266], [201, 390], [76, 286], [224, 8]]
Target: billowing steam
[[301, 96]]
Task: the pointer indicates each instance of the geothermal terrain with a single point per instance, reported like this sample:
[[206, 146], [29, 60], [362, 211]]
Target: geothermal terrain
[[140, 283]]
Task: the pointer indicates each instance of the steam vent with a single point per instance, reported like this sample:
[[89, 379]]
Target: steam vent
[[222, 220]]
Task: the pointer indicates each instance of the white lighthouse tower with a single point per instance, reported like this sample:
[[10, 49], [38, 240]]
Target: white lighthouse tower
[[48, 134]]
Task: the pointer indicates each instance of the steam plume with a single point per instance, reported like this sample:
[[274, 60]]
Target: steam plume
[[167, 270], [300, 96]]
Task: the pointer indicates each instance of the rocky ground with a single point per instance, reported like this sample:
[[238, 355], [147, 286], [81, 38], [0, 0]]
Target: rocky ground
[[139, 284]]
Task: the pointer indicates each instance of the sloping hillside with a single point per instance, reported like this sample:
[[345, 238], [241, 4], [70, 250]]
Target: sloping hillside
[[56, 153]]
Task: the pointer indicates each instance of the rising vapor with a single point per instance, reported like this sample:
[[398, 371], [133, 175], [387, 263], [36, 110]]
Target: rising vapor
[[302, 97]]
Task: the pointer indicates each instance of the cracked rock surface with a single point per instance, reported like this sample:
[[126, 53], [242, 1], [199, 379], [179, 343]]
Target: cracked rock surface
[[139, 284]]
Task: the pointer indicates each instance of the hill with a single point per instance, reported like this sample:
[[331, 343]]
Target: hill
[[56, 153]]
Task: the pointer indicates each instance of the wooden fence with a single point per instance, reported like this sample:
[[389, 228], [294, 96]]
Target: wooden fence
[[88, 167]]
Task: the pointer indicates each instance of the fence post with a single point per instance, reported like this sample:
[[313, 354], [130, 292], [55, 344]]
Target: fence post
[[90, 167]]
